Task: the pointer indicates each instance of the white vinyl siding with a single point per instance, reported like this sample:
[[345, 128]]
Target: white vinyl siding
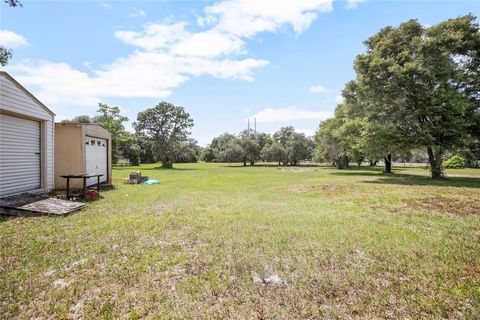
[[96, 158], [19, 155], [15, 101]]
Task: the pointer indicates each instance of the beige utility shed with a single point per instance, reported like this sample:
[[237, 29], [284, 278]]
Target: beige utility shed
[[82, 148], [26, 140]]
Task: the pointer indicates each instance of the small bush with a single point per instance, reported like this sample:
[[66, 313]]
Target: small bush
[[455, 162]]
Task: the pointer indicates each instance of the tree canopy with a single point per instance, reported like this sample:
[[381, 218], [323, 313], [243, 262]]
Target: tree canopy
[[415, 87], [111, 120], [284, 147], [167, 125]]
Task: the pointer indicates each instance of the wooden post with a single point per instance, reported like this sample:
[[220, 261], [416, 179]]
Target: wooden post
[[84, 186], [68, 188]]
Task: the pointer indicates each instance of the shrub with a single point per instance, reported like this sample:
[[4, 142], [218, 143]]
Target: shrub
[[455, 162]]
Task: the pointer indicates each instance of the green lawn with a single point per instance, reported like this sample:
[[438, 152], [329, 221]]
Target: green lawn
[[208, 240]]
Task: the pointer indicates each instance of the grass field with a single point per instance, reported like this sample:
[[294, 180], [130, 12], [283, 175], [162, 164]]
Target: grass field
[[219, 241]]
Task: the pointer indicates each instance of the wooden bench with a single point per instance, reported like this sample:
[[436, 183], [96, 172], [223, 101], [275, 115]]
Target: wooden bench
[[83, 176]]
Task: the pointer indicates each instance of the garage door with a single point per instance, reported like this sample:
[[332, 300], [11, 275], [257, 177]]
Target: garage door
[[19, 155], [96, 154]]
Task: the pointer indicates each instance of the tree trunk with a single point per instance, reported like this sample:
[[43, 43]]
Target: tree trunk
[[167, 164], [388, 163], [435, 161], [342, 162], [358, 165]]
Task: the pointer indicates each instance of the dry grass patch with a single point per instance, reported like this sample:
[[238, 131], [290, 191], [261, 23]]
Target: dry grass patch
[[464, 206]]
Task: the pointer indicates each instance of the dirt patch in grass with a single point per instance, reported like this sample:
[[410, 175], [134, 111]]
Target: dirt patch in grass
[[327, 189], [296, 169], [337, 190], [373, 199], [454, 206]]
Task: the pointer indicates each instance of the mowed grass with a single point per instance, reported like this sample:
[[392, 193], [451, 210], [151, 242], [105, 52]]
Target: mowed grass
[[203, 244]]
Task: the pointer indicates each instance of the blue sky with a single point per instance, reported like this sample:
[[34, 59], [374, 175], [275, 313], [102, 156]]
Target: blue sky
[[283, 62]]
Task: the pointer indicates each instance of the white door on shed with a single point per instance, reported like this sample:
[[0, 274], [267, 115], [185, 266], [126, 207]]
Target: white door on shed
[[19, 155], [96, 157]]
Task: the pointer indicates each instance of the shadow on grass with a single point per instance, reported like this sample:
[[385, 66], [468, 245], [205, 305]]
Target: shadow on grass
[[412, 180], [5, 218], [361, 172], [150, 169], [271, 165], [171, 169]]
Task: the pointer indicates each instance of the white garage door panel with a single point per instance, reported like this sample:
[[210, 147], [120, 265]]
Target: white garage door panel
[[96, 158], [19, 155]]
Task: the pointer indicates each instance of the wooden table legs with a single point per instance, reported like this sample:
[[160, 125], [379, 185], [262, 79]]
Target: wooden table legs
[[84, 177], [84, 186], [68, 188]]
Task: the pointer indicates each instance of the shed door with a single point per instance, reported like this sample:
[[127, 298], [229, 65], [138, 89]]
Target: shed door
[[96, 157], [19, 155]]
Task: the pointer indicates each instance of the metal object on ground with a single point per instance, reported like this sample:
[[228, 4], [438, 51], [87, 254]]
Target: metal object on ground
[[135, 178]]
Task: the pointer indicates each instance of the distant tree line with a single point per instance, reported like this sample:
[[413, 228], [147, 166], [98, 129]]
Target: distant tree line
[[416, 88], [285, 147], [161, 134]]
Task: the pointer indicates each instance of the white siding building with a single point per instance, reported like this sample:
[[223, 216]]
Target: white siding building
[[26, 140]]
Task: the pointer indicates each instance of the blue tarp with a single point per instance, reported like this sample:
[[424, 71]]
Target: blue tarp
[[152, 182]]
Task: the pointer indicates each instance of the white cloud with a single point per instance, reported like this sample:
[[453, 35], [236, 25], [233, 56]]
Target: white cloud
[[353, 4], [246, 18], [106, 5], [210, 43], [135, 13], [233, 69], [11, 39], [141, 74], [174, 38], [318, 89], [307, 132], [167, 54], [290, 114], [339, 99], [55, 83], [154, 36]]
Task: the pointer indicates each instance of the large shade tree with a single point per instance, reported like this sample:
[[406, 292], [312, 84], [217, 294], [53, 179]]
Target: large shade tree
[[251, 148], [329, 143], [275, 152], [167, 125], [298, 147], [224, 148], [422, 82]]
